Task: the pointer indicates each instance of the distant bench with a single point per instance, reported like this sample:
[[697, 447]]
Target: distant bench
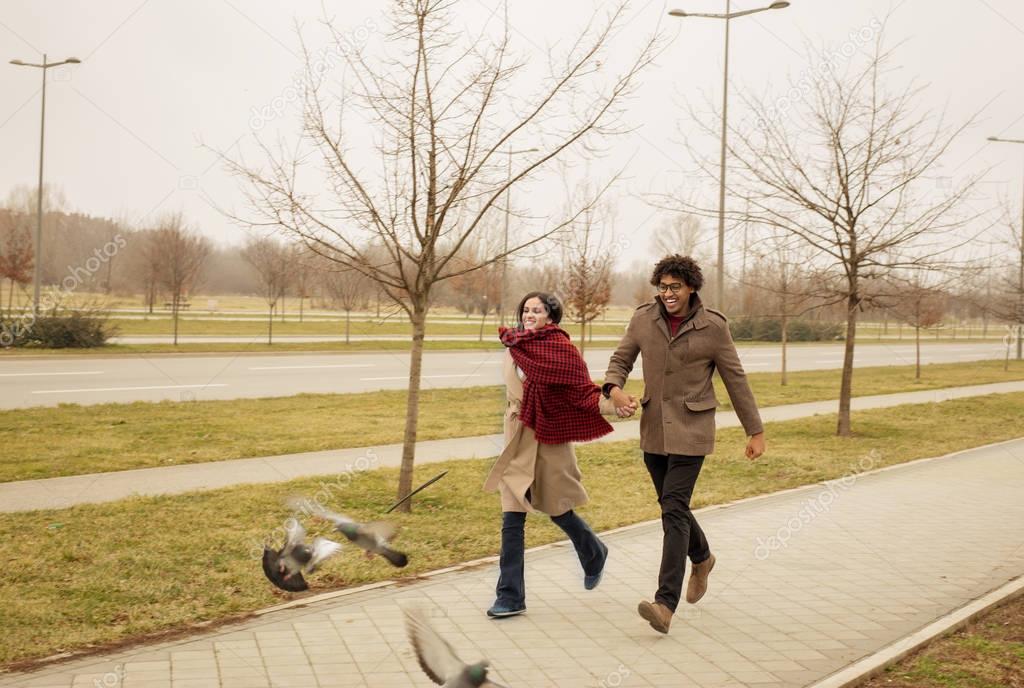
[[183, 306]]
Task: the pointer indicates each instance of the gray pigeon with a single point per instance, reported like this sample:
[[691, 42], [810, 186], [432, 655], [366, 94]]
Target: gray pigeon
[[438, 659], [374, 537], [284, 567]]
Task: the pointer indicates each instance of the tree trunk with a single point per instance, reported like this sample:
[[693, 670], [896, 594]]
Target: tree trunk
[[412, 408], [846, 388], [583, 336], [301, 299], [282, 307], [175, 302], [270, 324], [785, 339], [483, 320], [917, 337], [348, 325]]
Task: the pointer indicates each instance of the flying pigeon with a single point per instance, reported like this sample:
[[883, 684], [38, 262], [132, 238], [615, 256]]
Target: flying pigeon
[[284, 567], [438, 659], [374, 537]]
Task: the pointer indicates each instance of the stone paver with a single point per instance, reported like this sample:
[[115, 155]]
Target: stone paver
[[60, 493], [855, 565]]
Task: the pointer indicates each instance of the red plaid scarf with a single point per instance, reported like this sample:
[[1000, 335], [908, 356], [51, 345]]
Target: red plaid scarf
[[560, 401]]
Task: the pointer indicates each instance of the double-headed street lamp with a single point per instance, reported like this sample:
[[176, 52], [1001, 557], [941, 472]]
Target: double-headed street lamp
[[1020, 267], [728, 17], [503, 305], [38, 256]]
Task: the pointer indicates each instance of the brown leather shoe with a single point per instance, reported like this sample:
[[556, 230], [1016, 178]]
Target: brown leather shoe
[[698, 584], [656, 614]]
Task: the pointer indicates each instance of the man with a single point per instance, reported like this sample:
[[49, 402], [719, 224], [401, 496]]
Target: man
[[682, 344]]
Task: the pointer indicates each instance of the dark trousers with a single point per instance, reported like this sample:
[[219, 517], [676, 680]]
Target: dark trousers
[[511, 589], [674, 477]]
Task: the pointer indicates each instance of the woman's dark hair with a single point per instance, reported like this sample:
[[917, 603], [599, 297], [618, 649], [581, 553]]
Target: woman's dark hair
[[683, 267], [551, 304]]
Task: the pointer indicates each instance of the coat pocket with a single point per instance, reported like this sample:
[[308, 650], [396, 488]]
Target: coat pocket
[[705, 404]]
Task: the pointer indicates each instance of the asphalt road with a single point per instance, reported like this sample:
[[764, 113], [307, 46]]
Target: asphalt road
[[93, 380]]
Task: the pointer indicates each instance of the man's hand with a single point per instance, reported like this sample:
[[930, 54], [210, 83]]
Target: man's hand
[[755, 446], [625, 404]]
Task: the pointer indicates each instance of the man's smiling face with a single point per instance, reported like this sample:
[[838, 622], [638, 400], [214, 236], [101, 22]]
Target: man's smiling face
[[675, 294]]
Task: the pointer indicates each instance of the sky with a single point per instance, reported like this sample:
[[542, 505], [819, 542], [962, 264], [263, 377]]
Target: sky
[[127, 129]]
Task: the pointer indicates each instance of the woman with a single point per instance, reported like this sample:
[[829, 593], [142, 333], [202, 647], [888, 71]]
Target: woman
[[552, 402]]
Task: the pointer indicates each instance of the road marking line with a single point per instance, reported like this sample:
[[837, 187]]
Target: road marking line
[[122, 389], [83, 372], [312, 367], [406, 377]]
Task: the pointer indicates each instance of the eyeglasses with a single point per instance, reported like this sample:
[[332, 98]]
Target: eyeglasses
[[676, 287]]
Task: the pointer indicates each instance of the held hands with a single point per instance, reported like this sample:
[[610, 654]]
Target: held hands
[[625, 404], [755, 446]]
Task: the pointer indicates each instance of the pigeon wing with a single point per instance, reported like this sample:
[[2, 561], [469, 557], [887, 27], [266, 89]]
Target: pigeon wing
[[381, 531], [436, 657], [323, 549], [308, 506], [294, 534]]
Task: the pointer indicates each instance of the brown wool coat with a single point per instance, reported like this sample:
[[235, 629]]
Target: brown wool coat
[[548, 471], [679, 400]]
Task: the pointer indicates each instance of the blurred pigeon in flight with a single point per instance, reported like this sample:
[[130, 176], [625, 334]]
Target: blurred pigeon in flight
[[374, 537], [284, 567], [438, 659]]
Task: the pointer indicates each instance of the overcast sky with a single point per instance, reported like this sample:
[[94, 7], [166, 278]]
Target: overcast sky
[[123, 128]]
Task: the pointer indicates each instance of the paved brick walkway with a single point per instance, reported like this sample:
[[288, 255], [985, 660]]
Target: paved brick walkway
[[865, 561], [61, 493]]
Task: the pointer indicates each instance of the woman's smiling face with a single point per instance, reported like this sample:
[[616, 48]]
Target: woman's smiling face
[[535, 314]]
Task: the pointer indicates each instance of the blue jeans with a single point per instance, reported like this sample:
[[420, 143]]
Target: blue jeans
[[511, 589]]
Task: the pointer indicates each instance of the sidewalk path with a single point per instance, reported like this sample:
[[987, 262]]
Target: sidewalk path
[[893, 551], [60, 493]]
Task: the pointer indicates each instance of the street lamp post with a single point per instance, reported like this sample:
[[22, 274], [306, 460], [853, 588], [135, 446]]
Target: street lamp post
[[503, 303], [37, 258], [1020, 267], [728, 17]]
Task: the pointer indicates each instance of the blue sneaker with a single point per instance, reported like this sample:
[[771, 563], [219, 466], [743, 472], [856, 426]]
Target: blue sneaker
[[591, 582], [500, 610]]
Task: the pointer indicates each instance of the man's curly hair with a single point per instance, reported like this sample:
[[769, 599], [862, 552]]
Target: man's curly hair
[[683, 267]]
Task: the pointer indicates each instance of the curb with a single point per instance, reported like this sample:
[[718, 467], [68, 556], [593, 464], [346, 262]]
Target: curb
[[868, 667]]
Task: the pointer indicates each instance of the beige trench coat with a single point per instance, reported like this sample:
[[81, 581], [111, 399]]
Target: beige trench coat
[[679, 400], [548, 471]]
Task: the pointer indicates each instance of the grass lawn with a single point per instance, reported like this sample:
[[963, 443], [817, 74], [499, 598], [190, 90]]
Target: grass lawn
[[987, 653], [192, 326], [72, 439], [110, 572]]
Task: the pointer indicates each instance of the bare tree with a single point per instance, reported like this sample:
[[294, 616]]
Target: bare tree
[[586, 287], [844, 172], [920, 305], [16, 254], [273, 263], [348, 290], [146, 266], [680, 233], [445, 117], [182, 253], [1006, 291], [786, 275]]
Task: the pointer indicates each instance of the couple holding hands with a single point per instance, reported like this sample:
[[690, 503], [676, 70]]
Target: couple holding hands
[[552, 403]]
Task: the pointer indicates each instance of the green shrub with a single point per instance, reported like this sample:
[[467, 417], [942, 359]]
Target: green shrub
[[72, 330]]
